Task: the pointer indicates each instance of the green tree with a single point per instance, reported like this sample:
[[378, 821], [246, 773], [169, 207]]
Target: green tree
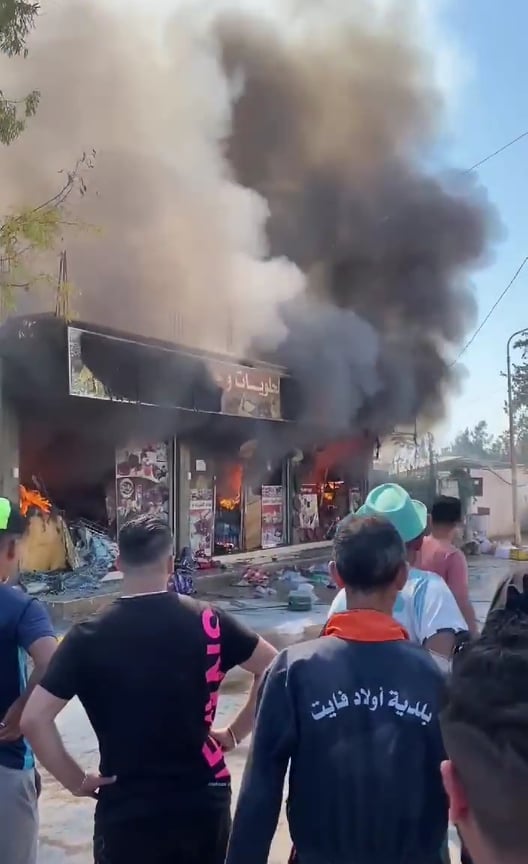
[[520, 399], [35, 228], [17, 19], [473, 443]]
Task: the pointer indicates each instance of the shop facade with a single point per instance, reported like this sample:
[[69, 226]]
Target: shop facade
[[122, 427]]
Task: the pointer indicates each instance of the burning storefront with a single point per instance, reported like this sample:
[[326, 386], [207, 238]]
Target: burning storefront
[[254, 218], [121, 427]]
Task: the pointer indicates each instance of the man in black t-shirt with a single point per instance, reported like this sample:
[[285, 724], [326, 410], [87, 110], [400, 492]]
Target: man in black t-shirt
[[148, 672]]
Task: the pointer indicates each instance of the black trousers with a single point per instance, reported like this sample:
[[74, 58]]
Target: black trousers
[[199, 838]]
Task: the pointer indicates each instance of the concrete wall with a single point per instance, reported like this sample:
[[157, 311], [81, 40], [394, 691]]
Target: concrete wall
[[497, 496]]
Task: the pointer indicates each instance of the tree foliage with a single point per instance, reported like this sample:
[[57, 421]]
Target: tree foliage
[[17, 19], [520, 398], [475, 443], [34, 228]]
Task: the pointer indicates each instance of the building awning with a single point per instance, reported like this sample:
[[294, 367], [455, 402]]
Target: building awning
[[45, 358]]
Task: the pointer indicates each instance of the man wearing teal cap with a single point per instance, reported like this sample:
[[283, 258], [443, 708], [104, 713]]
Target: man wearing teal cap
[[425, 606], [25, 629]]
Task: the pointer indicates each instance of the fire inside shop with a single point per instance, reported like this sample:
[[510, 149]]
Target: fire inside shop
[[273, 266], [98, 448]]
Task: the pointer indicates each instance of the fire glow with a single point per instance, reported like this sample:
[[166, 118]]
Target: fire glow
[[31, 499], [229, 488]]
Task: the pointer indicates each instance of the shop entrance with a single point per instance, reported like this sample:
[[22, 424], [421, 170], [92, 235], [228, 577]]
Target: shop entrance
[[234, 505], [328, 483]]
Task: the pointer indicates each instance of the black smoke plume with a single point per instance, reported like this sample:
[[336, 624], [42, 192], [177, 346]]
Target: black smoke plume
[[333, 127]]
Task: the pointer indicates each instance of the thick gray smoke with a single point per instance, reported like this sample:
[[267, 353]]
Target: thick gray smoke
[[333, 128], [358, 281]]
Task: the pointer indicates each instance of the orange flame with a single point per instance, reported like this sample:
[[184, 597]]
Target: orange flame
[[31, 499], [229, 487]]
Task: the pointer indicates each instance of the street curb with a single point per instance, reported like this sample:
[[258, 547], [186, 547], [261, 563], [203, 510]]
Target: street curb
[[209, 586]]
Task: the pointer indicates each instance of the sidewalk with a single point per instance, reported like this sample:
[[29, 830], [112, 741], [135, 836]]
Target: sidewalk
[[221, 584]]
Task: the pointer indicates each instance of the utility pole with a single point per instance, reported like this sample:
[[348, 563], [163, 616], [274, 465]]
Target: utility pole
[[513, 452]]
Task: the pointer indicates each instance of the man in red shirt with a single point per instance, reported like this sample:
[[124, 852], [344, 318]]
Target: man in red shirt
[[439, 555]]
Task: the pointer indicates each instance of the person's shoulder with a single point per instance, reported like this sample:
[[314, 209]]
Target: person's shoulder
[[13, 602], [420, 662], [456, 554], [425, 580], [303, 653]]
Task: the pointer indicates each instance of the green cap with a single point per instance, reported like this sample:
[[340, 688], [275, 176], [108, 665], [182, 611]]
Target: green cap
[[5, 513], [393, 503]]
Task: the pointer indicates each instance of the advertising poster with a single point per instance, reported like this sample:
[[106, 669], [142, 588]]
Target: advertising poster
[[354, 499], [272, 517], [309, 509], [201, 521], [142, 482]]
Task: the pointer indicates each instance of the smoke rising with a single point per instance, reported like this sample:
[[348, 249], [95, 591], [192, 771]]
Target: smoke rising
[[334, 128], [265, 186]]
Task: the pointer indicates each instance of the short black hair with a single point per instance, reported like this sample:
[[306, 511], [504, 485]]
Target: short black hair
[[368, 552], [446, 510], [485, 728], [144, 540]]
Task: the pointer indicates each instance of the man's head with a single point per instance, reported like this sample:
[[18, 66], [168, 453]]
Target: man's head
[[485, 728], [146, 549], [369, 558], [409, 517], [12, 529], [446, 514]]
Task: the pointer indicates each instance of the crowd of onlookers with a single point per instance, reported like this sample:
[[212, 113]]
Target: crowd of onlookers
[[400, 717]]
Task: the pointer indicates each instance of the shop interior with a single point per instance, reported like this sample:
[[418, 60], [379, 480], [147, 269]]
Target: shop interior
[[226, 513], [327, 485], [73, 470]]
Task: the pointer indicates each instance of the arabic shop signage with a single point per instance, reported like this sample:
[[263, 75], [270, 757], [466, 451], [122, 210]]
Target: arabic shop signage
[[243, 391], [247, 392]]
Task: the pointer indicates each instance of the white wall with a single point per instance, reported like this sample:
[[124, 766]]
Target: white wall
[[497, 495]]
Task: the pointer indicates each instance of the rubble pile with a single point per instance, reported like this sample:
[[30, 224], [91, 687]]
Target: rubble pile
[[90, 555]]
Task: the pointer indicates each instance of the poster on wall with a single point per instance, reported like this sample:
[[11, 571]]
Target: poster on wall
[[272, 517], [354, 499], [201, 521], [309, 509], [142, 482]]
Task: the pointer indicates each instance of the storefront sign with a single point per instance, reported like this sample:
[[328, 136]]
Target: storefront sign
[[142, 482], [248, 392], [243, 390], [82, 380], [201, 520], [272, 517], [309, 509]]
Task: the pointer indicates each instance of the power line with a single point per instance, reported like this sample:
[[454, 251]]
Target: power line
[[492, 310], [496, 152], [521, 266]]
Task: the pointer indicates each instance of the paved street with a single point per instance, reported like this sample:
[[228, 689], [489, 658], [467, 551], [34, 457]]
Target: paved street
[[66, 822]]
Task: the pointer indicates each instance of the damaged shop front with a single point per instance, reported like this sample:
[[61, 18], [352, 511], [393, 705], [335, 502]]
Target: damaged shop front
[[109, 427]]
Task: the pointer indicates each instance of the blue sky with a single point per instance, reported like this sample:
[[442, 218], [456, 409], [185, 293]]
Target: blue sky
[[491, 107]]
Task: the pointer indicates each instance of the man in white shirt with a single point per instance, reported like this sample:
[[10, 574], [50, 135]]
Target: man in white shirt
[[425, 606]]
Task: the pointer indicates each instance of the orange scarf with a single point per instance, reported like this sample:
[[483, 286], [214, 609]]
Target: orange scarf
[[364, 625]]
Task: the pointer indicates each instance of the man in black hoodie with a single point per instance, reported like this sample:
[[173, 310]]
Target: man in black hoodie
[[485, 727], [354, 715]]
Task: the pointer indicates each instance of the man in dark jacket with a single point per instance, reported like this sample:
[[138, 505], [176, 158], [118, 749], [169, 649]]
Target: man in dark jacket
[[485, 728], [355, 717]]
